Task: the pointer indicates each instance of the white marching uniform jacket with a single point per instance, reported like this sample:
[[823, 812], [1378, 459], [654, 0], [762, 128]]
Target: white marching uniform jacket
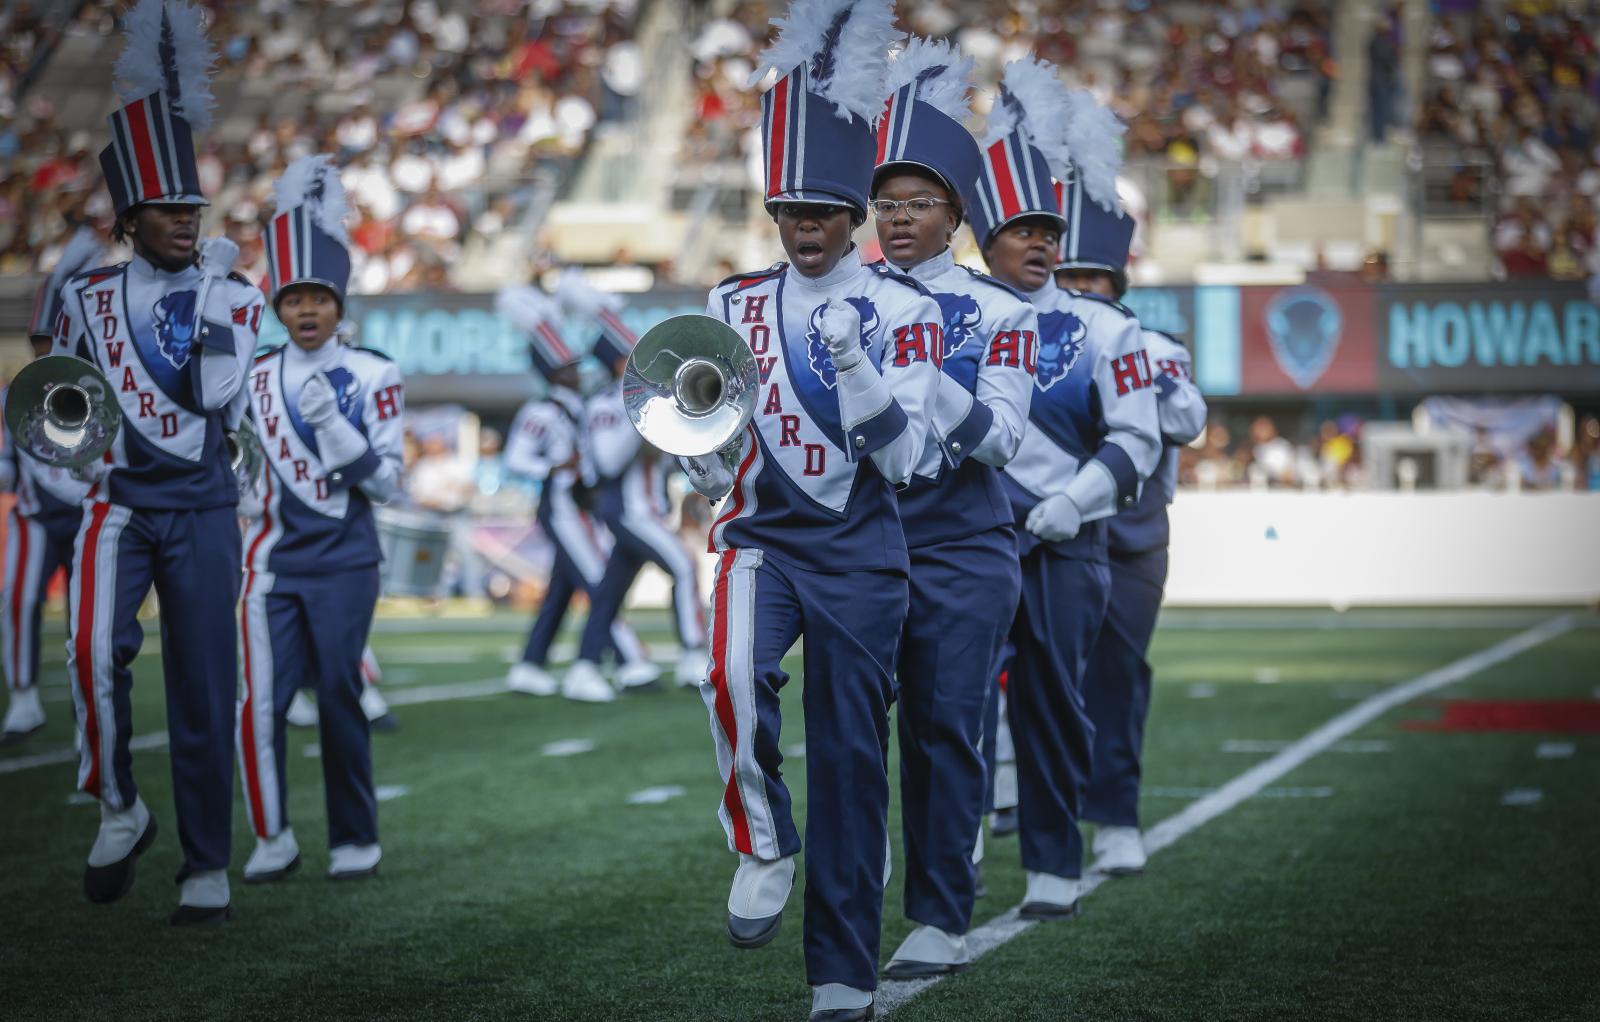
[[1093, 430], [631, 478], [812, 489], [176, 368], [1181, 410], [319, 484], [981, 410], [542, 441]]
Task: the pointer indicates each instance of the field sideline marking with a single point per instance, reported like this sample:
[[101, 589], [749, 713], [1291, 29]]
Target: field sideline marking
[[893, 994]]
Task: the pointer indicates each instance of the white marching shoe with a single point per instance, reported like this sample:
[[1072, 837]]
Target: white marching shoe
[[835, 1002], [302, 711], [354, 862], [203, 898], [24, 715], [1050, 897], [638, 675], [928, 951], [585, 684], [1119, 851], [531, 679], [755, 901], [125, 834], [376, 709], [693, 666], [274, 858]]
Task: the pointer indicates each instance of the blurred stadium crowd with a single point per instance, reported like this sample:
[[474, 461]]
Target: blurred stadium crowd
[[1510, 107]]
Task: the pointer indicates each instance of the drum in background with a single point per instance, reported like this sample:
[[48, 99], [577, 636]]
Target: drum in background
[[414, 544]]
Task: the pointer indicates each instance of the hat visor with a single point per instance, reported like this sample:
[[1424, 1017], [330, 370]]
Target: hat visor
[[1056, 218], [338, 292], [1084, 264], [171, 200], [814, 197]]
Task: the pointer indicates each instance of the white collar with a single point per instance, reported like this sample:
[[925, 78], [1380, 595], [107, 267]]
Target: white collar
[[928, 269], [324, 357], [850, 264]]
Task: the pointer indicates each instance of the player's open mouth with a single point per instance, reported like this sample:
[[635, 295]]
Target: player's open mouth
[[306, 328], [808, 252]]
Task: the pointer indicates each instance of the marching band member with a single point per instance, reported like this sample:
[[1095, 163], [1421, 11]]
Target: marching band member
[[329, 417], [1116, 691], [809, 535], [1092, 437], [958, 523], [43, 522], [631, 478], [544, 444], [173, 330]]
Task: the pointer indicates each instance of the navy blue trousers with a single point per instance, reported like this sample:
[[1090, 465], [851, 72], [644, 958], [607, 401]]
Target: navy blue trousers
[[963, 598], [1063, 604], [192, 558], [35, 548], [1116, 689], [307, 631], [640, 541], [850, 624], [579, 565]]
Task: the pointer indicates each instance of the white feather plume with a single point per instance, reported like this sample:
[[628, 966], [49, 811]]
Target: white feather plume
[[1094, 139], [844, 43], [579, 297], [1035, 99], [167, 51], [943, 76], [314, 181], [527, 307]]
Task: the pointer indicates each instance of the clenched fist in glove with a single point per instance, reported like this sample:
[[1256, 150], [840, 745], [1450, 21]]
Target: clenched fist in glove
[[1055, 518], [217, 256], [841, 332], [318, 404]]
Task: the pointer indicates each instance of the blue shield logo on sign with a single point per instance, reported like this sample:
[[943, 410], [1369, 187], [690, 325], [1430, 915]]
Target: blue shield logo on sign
[[1303, 325], [175, 323], [817, 351], [1061, 337]]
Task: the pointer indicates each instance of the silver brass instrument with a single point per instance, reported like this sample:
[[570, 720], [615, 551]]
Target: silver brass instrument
[[245, 456], [60, 409], [690, 386]]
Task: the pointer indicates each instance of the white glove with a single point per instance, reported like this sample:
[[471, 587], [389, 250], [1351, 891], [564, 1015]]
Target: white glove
[[1055, 518], [217, 256], [91, 473], [318, 404], [841, 332]]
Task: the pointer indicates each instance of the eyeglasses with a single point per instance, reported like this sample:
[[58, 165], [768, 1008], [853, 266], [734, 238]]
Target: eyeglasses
[[916, 209]]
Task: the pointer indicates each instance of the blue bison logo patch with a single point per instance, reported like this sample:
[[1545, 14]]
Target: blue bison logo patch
[[1061, 337], [346, 388], [962, 317], [817, 351], [175, 323]]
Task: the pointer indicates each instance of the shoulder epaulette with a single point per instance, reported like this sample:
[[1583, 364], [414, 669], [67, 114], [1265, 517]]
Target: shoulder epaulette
[[884, 270], [1175, 340], [239, 278], [374, 352], [97, 274], [755, 276], [1002, 285], [1102, 299]]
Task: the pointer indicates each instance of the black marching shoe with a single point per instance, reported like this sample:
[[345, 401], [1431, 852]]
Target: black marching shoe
[[200, 915], [105, 884], [863, 1014]]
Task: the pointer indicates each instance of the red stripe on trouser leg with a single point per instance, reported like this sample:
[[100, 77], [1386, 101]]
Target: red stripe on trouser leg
[[247, 719], [724, 706], [19, 588], [83, 644]]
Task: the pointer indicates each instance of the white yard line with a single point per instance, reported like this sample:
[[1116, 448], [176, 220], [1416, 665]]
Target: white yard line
[[982, 939]]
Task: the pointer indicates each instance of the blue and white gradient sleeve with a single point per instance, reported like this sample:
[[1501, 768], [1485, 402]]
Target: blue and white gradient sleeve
[[230, 319], [1179, 403], [897, 431], [1110, 480]]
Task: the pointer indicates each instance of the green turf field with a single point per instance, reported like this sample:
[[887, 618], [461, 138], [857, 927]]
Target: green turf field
[[1385, 878]]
